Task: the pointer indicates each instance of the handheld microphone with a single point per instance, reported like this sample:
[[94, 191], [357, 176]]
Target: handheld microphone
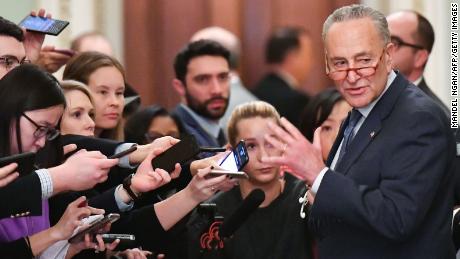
[[242, 213]]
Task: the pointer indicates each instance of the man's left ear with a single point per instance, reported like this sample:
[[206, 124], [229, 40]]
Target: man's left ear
[[421, 57]]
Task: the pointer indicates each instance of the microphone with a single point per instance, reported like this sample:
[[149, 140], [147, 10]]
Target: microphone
[[242, 213], [219, 230]]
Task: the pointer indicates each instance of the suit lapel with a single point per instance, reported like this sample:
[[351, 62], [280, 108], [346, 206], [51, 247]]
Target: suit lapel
[[372, 125], [337, 141]]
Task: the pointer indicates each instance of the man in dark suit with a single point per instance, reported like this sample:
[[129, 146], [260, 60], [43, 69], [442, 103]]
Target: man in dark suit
[[386, 189], [413, 37], [288, 52], [203, 83]]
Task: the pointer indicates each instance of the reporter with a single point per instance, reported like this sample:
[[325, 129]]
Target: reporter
[[29, 247], [32, 104]]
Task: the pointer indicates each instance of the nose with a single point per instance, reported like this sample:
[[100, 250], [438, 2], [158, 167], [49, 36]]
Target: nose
[[90, 124], [114, 100], [261, 153], [216, 87], [352, 76], [40, 143]]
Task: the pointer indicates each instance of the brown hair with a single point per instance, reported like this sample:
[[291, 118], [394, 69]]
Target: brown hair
[[247, 111], [82, 66], [72, 85]]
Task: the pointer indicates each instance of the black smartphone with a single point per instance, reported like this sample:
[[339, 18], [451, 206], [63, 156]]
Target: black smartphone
[[43, 25], [25, 161], [237, 159], [124, 153], [94, 227], [180, 153]]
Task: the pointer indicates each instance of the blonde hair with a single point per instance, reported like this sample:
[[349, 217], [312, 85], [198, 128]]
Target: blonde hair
[[73, 85], [247, 111]]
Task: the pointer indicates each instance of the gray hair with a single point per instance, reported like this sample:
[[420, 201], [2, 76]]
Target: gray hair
[[352, 12]]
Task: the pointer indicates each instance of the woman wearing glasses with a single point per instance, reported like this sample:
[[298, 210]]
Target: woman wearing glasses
[[32, 104]]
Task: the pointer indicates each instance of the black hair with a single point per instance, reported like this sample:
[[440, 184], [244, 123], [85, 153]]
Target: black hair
[[197, 49], [25, 88], [139, 122], [10, 29], [317, 111], [281, 42]]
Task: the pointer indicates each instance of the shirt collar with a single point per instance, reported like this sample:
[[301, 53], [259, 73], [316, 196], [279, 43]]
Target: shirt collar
[[366, 110], [210, 126], [418, 80]]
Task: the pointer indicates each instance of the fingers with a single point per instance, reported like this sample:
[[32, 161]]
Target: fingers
[[317, 138], [6, 170], [274, 160], [112, 245], [275, 142], [7, 180], [282, 135], [69, 148], [96, 211], [177, 169], [291, 129]]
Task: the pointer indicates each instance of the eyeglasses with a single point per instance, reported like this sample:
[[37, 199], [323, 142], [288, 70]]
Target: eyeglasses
[[398, 42], [151, 136], [10, 62], [341, 74], [49, 132]]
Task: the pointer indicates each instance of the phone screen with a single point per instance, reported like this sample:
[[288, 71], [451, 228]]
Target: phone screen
[[37, 23], [237, 159]]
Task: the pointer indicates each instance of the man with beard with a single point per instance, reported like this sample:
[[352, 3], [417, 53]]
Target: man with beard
[[203, 83]]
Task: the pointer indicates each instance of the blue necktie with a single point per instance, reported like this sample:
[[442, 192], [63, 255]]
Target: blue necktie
[[348, 133]]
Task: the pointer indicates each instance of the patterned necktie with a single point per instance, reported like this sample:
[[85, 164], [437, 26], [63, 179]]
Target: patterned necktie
[[348, 133]]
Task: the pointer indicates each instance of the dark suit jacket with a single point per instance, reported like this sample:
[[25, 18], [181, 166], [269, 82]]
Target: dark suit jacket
[[15, 203], [194, 128], [391, 195], [287, 101], [424, 87]]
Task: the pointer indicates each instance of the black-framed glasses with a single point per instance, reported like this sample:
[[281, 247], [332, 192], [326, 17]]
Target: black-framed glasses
[[10, 62], [50, 132], [341, 74], [398, 42]]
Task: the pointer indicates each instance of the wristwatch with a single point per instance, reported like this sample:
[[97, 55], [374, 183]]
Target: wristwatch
[[127, 187]]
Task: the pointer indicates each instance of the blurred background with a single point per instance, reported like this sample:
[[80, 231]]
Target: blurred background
[[146, 34]]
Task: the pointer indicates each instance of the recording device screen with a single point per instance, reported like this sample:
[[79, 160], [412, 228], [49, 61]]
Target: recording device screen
[[43, 25], [237, 159]]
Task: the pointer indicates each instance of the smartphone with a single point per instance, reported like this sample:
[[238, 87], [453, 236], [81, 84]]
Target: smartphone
[[94, 227], [43, 25], [124, 153], [237, 159], [25, 161], [180, 153], [239, 174]]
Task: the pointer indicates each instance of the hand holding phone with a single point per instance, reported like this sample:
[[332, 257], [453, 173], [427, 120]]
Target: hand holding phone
[[43, 25], [25, 161], [95, 226], [180, 153], [237, 159]]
